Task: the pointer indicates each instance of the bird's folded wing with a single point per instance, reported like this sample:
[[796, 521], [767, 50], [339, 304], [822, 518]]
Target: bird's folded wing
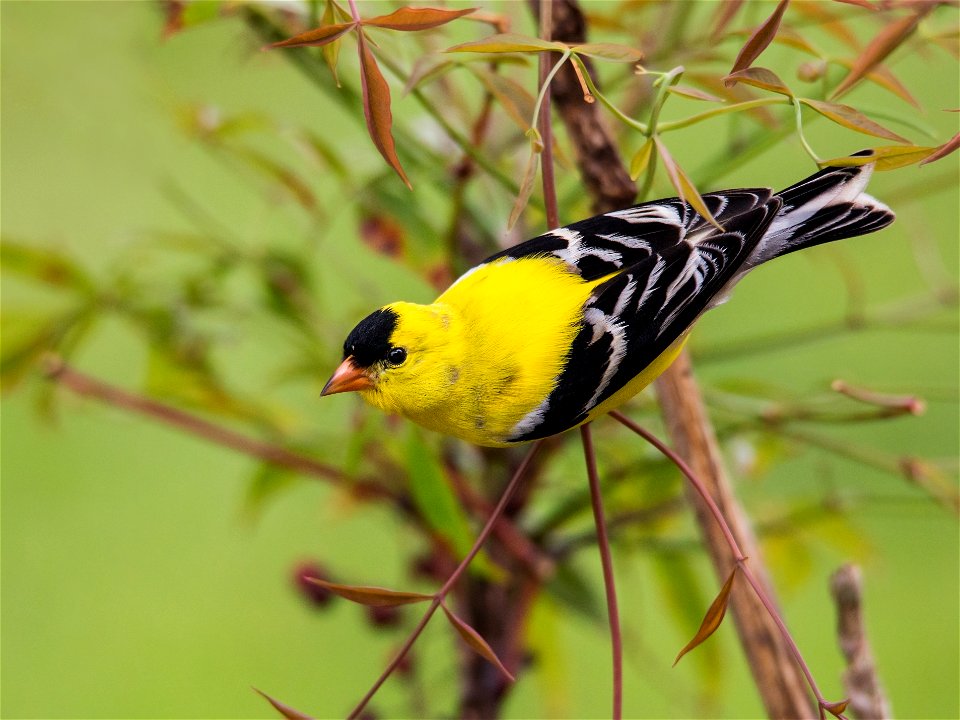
[[665, 265]]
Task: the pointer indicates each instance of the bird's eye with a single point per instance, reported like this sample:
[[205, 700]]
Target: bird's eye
[[396, 356]]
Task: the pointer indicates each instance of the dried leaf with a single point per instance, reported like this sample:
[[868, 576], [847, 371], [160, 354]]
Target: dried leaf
[[376, 107], [759, 77], [316, 37], [889, 157], [713, 618], [472, 638], [507, 43], [693, 93], [888, 40], [512, 96], [836, 708], [761, 38], [409, 18], [331, 50], [372, 596], [526, 186], [641, 159], [685, 188], [852, 118], [948, 147], [285, 710], [609, 51]]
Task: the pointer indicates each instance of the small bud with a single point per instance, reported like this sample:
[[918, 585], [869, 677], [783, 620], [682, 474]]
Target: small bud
[[383, 615], [811, 71], [316, 595]]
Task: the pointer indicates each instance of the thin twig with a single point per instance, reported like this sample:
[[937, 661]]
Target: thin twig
[[546, 121], [867, 699], [442, 593], [739, 557], [606, 560]]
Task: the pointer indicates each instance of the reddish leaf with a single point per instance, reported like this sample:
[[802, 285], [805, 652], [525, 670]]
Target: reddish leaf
[[836, 708], [882, 76], [726, 11], [372, 596], [609, 51], [791, 38], [852, 118], [890, 157], [713, 618], [948, 147], [760, 39], [318, 36], [859, 3], [693, 93], [285, 710], [759, 77], [383, 235], [685, 188], [888, 40], [476, 642], [376, 107], [507, 43], [409, 18]]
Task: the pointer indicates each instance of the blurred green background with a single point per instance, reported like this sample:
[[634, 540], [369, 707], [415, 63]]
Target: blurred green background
[[137, 583]]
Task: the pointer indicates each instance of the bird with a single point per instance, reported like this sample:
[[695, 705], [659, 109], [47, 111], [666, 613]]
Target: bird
[[552, 333]]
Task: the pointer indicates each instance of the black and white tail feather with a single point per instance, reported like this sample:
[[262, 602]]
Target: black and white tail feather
[[667, 265]]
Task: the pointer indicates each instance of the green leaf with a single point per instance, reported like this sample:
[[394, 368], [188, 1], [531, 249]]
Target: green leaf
[[268, 482], [331, 50], [889, 157], [693, 93], [47, 266], [852, 118], [508, 43], [436, 501], [609, 51], [641, 159]]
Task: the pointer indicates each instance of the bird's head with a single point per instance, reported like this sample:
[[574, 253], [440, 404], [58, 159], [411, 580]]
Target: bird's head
[[401, 358]]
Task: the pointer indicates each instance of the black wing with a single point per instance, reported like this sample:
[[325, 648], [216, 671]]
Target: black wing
[[668, 264]]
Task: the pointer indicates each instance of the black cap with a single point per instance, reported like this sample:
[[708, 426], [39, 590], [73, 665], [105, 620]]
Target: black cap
[[369, 341]]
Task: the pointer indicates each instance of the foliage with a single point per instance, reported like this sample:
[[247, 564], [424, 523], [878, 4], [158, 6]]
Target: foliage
[[475, 143]]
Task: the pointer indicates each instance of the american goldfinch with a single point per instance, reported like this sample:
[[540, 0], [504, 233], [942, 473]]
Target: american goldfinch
[[552, 333]]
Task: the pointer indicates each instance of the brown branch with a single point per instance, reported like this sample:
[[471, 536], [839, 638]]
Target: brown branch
[[603, 173], [867, 699], [777, 677], [86, 386]]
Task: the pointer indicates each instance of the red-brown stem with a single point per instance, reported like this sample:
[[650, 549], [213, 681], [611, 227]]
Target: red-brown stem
[[441, 594], [741, 560], [606, 559], [85, 385], [546, 126]]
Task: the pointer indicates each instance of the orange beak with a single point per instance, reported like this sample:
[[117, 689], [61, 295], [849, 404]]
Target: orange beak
[[347, 378]]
